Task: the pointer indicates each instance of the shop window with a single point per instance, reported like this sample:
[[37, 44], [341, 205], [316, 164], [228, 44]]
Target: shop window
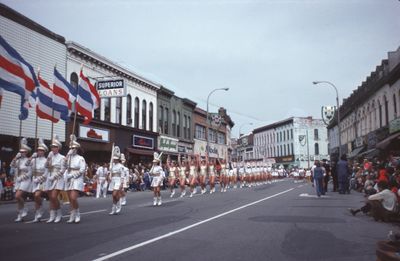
[[292, 148], [118, 110], [151, 116], [107, 111], [136, 125], [144, 115], [316, 149], [129, 109]]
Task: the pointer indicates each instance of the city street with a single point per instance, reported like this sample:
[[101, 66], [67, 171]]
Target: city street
[[279, 221]]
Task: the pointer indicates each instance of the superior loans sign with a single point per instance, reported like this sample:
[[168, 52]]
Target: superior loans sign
[[111, 88]]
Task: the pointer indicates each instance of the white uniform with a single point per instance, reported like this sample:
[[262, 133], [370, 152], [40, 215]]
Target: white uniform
[[158, 175], [116, 173], [56, 169], [39, 174], [102, 183], [23, 174], [203, 170], [76, 168], [126, 177]]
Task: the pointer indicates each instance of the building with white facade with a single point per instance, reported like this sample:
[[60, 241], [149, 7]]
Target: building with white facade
[[40, 48], [296, 141]]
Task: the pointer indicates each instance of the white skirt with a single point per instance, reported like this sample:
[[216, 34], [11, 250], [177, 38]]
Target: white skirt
[[57, 184], [115, 184], [75, 184], [25, 185], [38, 186], [157, 181]]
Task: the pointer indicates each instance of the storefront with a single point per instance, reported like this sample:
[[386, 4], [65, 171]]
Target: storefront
[[168, 146], [216, 151]]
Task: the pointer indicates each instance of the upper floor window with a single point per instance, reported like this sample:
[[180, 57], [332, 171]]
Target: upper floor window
[[107, 111], [136, 112], [316, 134], [316, 149], [118, 110], [151, 116], [129, 109], [144, 115], [200, 132]]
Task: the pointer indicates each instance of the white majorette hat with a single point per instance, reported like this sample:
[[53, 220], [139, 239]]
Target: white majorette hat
[[41, 145], [55, 142], [157, 157], [122, 157], [116, 153], [73, 144], [24, 146]]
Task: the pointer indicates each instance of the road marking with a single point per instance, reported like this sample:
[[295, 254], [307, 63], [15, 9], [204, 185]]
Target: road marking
[[122, 251], [312, 196], [82, 213]]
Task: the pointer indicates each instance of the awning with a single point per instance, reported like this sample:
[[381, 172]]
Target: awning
[[369, 154], [355, 152], [386, 142], [140, 152]]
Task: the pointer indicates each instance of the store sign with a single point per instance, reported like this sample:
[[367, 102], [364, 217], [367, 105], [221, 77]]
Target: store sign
[[143, 142], [284, 159], [181, 149], [168, 144], [394, 126], [111, 88], [93, 134]]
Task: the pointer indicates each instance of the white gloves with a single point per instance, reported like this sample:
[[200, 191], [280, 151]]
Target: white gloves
[[69, 176], [34, 155], [18, 155]]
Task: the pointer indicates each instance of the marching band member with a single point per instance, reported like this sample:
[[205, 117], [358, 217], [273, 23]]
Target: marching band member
[[182, 176], [116, 178], [22, 178], [193, 166], [101, 178], [55, 181], [233, 177], [223, 175], [242, 174], [74, 175], [125, 180], [211, 175], [173, 173], [158, 175], [39, 174], [203, 175]]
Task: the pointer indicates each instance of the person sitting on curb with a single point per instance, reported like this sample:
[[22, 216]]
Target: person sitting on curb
[[381, 205]]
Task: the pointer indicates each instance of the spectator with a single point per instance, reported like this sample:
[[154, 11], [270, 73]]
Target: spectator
[[318, 176], [343, 175]]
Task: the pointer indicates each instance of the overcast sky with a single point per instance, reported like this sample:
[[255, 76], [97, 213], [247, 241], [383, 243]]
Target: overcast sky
[[267, 52]]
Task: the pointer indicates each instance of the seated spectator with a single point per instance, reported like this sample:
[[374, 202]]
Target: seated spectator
[[369, 186], [381, 205]]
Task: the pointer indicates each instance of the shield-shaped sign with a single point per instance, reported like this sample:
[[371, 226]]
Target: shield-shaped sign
[[216, 119], [327, 113]]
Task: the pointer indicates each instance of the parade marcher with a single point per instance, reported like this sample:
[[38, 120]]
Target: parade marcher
[[203, 175], [193, 166], [173, 173], [125, 182], [116, 179], [242, 174], [55, 180], [157, 173], [233, 177], [211, 175], [182, 176], [22, 178], [223, 175], [74, 175], [101, 179], [39, 176]]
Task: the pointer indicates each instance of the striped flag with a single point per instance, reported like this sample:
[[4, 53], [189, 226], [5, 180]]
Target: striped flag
[[64, 95], [87, 99], [18, 76], [44, 102]]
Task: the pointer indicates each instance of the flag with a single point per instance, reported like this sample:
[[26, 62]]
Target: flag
[[64, 95], [87, 98], [1, 95], [44, 103], [18, 76]]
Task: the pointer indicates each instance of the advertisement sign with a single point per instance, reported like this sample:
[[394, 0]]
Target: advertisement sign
[[93, 134], [111, 88], [143, 142], [168, 144], [214, 150]]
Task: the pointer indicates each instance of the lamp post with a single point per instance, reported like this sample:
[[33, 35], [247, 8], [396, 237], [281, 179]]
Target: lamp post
[[338, 112], [209, 121]]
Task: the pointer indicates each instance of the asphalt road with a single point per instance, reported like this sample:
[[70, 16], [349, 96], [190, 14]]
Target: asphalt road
[[279, 221]]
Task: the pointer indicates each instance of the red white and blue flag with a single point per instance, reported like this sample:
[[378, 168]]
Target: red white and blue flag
[[64, 95], [44, 102], [16, 75], [87, 98]]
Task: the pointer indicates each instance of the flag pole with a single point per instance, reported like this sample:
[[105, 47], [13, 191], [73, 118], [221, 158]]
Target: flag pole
[[76, 99], [52, 108], [36, 120]]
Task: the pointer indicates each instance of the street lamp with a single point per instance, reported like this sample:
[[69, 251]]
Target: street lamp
[[240, 128], [338, 111], [209, 121]]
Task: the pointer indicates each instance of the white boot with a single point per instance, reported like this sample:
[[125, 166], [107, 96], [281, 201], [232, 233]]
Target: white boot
[[159, 201], [183, 193], [58, 216], [77, 216], [118, 207], [19, 216], [154, 201], [52, 216], [114, 207], [123, 201], [38, 215], [172, 193], [72, 217], [24, 212]]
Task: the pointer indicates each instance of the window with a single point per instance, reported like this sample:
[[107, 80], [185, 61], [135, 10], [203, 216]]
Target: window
[[220, 138], [136, 112], [284, 150], [380, 114], [288, 150], [284, 136], [74, 79], [200, 132], [166, 120], [118, 110], [386, 111], [316, 149], [287, 135], [178, 125], [184, 126], [189, 127], [316, 134], [280, 136], [161, 119], [129, 109], [291, 134], [212, 135], [107, 115], [394, 106], [144, 115], [174, 123], [292, 148], [151, 116]]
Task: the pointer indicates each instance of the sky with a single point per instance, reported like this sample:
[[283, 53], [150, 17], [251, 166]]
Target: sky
[[267, 52]]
